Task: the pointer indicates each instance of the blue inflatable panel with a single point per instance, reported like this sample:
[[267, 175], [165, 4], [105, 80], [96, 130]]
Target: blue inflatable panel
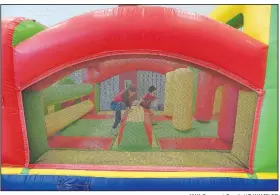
[[46, 183]]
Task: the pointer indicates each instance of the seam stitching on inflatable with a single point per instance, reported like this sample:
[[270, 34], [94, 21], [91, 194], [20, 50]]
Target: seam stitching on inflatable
[[255, 131]]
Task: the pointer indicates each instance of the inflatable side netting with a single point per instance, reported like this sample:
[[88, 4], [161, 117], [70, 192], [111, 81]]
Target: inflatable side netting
[[200, 118]]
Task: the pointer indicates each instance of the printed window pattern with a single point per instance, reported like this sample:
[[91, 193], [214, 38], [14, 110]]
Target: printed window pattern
[[108, 89]]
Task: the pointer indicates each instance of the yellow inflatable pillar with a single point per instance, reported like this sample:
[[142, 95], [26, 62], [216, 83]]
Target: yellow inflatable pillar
[[224, 13], [183, 96], [169, 94], [50, 109], [135, 114], [256, 19], [58, 120], [218, 100]]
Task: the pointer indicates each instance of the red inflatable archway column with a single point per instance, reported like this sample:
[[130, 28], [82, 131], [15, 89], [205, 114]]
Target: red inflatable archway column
[[227, 116], [14, 141], [206, 88]]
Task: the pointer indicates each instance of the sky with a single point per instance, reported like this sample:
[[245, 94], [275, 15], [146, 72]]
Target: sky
[[50, 15]]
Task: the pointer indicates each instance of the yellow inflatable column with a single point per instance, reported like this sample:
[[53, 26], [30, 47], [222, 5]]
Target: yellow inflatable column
[[183, 96], [224, 13], [257, 21], [60, 119], [135, 114], [218, 100], [50, 109], [169, 94], [256, 18]]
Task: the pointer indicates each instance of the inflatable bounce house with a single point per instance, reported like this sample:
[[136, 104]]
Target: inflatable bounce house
[[214, 123]]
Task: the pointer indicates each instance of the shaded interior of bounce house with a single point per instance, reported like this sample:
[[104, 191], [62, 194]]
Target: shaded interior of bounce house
[[201, 118]]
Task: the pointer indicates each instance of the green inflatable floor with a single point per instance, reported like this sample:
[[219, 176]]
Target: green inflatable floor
[[134, 137], [84, 127], [165, 129]]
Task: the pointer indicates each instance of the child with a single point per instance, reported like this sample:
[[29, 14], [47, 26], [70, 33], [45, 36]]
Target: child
[[119, 102], [147, 100]]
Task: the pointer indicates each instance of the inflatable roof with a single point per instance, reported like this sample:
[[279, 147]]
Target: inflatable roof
[[156, 39]]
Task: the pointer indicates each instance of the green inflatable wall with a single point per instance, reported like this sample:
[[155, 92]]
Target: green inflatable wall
[[97, 97], [33, 108], [25, 30], [66, 81], [266, 155], [59, 93], [35, 124], [266, 152]]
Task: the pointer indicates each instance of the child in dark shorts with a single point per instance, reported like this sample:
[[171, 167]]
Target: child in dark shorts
[[118, 104]]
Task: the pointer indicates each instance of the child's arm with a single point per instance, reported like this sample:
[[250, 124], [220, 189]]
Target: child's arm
[[126, 100], [153, 98]]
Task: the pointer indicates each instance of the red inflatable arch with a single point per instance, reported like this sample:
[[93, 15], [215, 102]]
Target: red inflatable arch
[[110, 68], [83, 40]]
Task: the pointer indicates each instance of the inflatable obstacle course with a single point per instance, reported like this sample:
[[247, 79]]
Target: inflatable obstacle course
[[250, 163]]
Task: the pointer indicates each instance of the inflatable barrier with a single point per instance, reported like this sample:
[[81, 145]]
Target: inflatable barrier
[[61, 93], [58, 120]]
